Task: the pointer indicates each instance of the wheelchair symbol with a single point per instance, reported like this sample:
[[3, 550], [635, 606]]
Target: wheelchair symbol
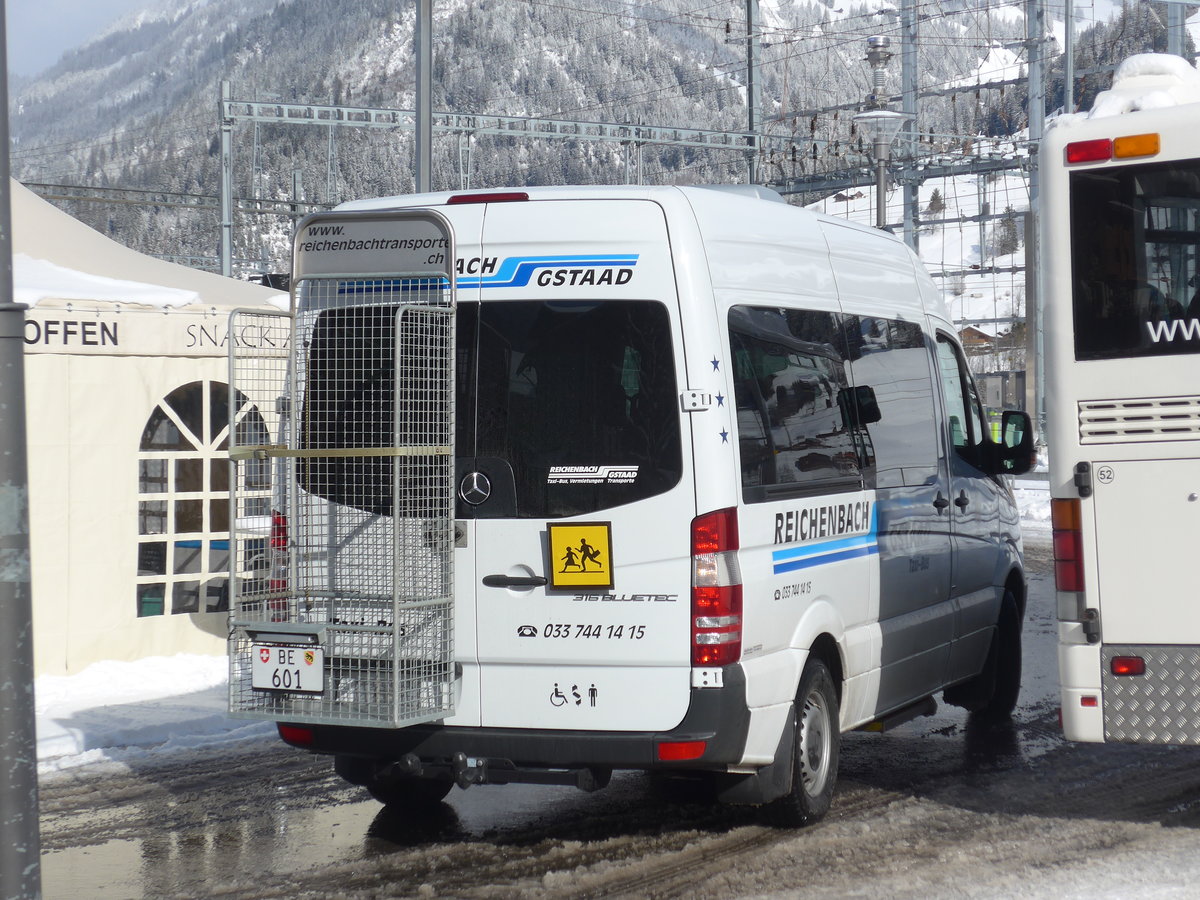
[[557, 697]]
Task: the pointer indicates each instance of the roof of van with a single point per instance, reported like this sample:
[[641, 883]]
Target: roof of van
[[558, 192], [751, 193]]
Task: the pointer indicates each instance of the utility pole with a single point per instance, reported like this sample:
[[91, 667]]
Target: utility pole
[[908, 105], [225, 251], [1176, 22], [1034, 42], [20, 844], [752, 99], [423, 50], [1069, 57]]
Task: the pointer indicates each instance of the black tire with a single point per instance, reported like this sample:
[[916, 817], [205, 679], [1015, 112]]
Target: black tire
[[409, 792], [993, 692], [391, 790], [1004, 659], [817, 745]]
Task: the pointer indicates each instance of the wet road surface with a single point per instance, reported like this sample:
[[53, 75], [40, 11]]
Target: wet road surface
[[942, 806]]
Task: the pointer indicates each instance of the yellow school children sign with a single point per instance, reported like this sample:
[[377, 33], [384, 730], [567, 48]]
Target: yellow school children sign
[[581, 555]]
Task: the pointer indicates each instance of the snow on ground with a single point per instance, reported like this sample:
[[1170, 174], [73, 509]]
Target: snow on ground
[[125, 710]]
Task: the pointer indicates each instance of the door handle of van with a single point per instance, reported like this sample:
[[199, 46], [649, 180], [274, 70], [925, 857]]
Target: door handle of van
[[940, 503], [962, 501], [513, 580]]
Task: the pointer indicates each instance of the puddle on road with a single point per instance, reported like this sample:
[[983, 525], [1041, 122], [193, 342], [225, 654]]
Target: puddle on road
[[194, 860], [175, 864]]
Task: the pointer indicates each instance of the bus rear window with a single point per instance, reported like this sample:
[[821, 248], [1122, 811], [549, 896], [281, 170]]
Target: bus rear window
[[1135, 260]]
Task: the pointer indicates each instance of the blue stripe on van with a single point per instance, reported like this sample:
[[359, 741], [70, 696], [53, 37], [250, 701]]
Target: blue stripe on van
[[806, 556], [515, 271], [819, 558]]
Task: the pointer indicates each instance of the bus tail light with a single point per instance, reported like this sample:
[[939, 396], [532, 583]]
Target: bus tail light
[[1089, 151], [1130, 146], [1068, 545], [1127, 665], [716, 590]]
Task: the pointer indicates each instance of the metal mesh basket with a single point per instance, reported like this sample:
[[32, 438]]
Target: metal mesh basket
[[359, 577]]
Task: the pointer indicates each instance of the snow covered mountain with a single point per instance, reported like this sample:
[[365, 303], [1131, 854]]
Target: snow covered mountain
[[137, 107]]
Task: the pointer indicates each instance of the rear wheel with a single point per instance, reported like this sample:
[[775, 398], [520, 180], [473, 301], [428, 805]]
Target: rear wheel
[[815, 755], [407, 791], [392, 789]]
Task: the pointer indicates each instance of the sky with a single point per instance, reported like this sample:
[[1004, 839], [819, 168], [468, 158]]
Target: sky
[[39, 31]]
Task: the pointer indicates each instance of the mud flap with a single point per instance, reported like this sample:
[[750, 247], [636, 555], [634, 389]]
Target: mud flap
[[771, 781]]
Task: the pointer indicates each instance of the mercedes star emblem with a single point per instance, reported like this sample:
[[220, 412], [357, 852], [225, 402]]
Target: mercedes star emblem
[[475, 488]]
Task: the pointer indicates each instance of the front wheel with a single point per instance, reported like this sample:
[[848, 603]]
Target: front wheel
[[992, 694], [815, 755], [1007, 649]]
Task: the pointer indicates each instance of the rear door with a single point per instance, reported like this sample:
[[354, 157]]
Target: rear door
[[574, 483]]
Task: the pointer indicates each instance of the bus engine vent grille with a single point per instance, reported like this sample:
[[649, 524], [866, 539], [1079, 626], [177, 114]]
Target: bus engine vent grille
[[1146, 419]]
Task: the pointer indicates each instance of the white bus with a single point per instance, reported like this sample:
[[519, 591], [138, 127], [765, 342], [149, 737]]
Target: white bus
[[1121, 238]]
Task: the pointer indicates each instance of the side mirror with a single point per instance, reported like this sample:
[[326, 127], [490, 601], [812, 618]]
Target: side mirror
[[858, 405], [1017, 452]]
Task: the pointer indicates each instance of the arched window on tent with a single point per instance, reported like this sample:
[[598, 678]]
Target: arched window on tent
[[183, 498]]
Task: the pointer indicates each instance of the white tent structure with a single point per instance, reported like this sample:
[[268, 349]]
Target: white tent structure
[[127, 397]]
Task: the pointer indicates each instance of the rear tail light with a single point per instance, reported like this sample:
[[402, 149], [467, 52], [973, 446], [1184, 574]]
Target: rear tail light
[[716, 590], [1089, 151], [296, 735], [1128, 665], [1130, 146], [1068, 545], [278, 579], [677, 751]]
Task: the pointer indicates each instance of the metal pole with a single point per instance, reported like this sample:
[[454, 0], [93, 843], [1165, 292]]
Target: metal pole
[[297, 195], [752, 100], [423, 154], [225, 251], [882, 152], [1069, 57], [20, 843], [1034, 34], [1175, 26], [908, 105]]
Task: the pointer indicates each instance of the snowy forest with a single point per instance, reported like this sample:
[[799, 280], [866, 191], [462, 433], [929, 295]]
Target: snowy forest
[[137, 107]]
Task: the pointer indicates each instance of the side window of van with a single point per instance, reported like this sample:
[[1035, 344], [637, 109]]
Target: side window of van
[[963, 409], [790, 386], [890, 366]]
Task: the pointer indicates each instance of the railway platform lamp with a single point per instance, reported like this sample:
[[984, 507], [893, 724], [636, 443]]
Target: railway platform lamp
[[880, 127], [879, 124]]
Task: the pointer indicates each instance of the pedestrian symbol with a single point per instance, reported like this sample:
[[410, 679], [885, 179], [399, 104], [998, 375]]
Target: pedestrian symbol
[[580, 555]]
